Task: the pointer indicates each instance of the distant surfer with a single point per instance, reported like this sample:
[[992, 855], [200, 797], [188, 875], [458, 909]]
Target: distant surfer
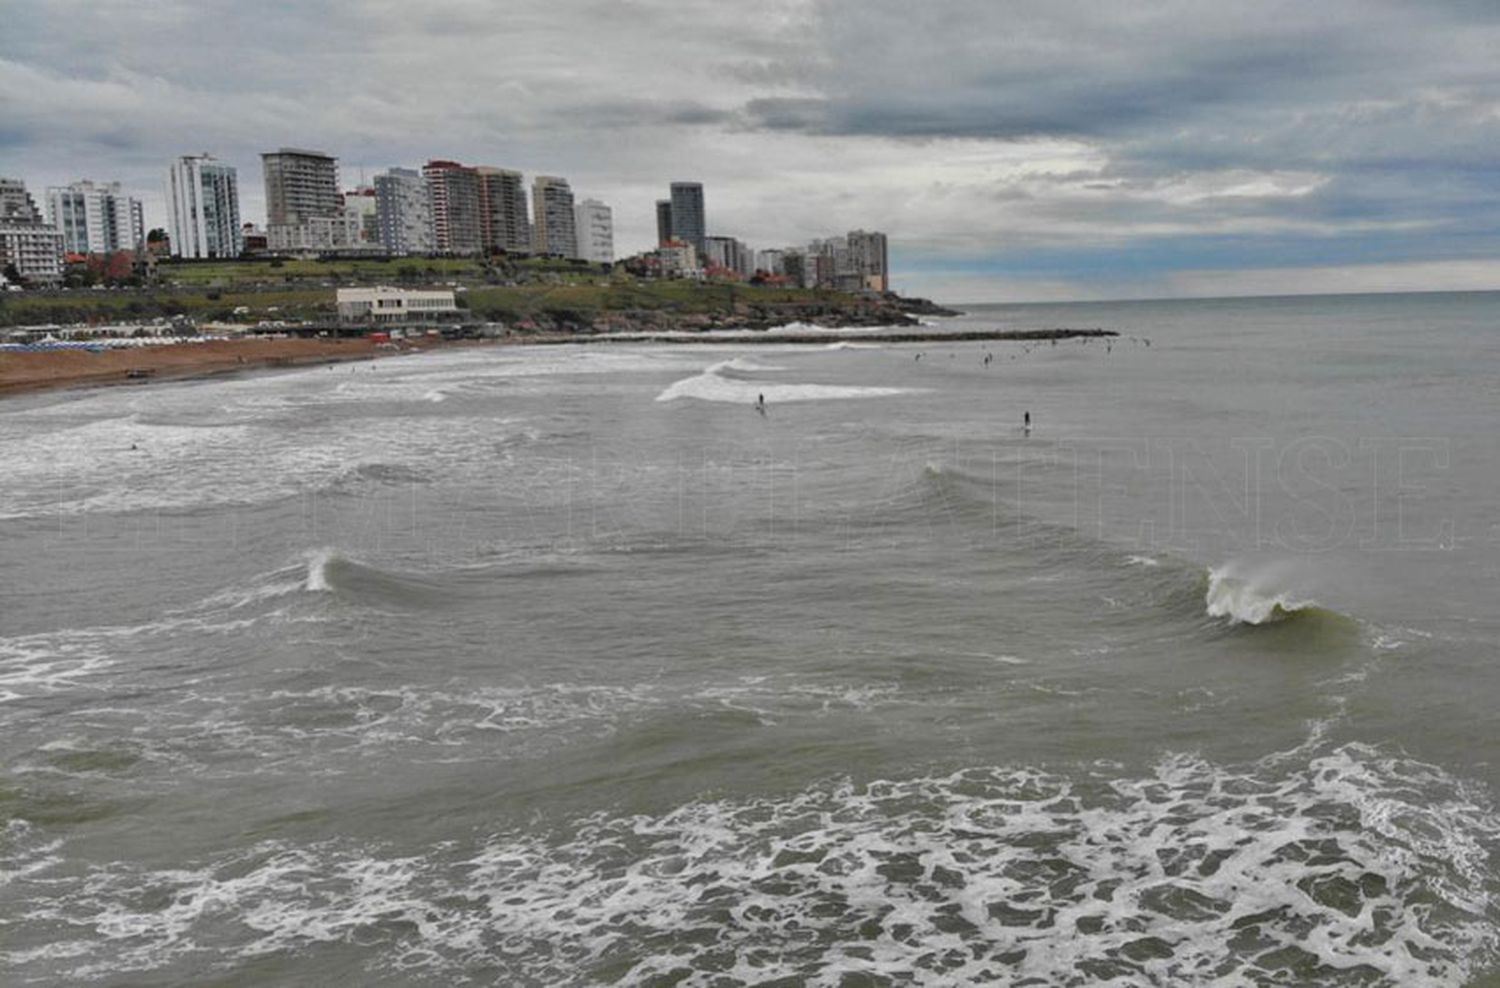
[[760, 404], [1026, 422], [917, 357]]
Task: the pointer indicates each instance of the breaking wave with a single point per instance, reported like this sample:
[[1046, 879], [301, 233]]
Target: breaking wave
[[730, 381], [1250, 598]]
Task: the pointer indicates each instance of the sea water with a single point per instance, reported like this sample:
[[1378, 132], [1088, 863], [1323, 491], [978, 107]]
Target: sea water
[[568, 665]]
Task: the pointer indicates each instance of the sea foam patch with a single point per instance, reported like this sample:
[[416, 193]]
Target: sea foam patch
[[1342, 866]]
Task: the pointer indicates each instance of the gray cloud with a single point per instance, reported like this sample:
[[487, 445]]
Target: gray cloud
[[976, 133]]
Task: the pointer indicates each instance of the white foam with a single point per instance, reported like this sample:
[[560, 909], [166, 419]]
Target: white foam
[[318, 562], [1248, 598], [1308, 864], [715, 384], [1147, 561]]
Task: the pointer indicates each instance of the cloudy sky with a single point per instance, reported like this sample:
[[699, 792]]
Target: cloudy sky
[[1017, 150]]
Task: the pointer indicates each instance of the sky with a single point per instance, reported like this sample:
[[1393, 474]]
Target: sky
[[1030, 150]]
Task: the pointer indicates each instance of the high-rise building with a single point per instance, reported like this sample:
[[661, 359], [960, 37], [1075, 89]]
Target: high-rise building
[[203, 207], [16, 204], [96, 219], [552, 230], [689, 222], [595, 227], [869, 260], [402, 212], [663, 222], [33, 248], [453, 197], [502, 197], [731, 255], [299, 185]]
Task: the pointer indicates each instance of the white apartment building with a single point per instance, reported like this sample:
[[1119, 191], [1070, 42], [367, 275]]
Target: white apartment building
[[96, 218], [203, 208], [595, 228], [384, 304], [403, 212], [33, 247]]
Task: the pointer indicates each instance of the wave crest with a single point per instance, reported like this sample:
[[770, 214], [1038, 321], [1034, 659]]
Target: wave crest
[[1246, 599], [729, 381]]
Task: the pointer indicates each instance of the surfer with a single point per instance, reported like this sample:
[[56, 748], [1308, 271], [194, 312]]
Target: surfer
[[1026, 422], [760, 404]]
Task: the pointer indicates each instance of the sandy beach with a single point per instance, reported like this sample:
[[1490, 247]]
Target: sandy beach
[[20, 372]]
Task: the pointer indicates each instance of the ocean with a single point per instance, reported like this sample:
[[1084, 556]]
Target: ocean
[[569, 666]]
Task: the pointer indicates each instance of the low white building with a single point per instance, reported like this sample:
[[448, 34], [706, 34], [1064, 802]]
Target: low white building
[[35, 250], [343, 231], [678, 260], [383, 304]]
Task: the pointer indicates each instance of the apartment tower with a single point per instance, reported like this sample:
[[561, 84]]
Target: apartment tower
[[663, 222], [453, 197], [553, 231], [595, 226], [403, 215], [502, 198], [300, 185], [96, 219], [203, 207], [689, 224]]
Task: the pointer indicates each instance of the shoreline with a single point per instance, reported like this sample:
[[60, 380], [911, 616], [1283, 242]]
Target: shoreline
[[26, 373]]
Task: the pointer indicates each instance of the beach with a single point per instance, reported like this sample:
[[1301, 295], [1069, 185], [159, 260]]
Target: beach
[[21, 372]]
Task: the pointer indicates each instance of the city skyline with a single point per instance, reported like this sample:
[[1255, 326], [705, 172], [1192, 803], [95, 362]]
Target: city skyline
[[305, 190], [1035, 151]]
